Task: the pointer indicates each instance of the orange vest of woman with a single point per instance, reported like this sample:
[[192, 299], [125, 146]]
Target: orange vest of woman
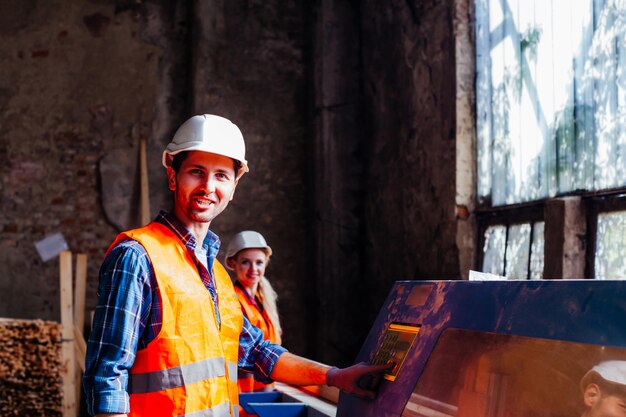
[[260, 319], [190, 368]]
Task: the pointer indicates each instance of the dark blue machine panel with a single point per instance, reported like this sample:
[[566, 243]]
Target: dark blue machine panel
[[494, 348]]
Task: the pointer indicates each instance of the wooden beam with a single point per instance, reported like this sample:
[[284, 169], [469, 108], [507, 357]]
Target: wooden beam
[[68, 372], [80, 289], [80, 286], [565, 230], [145, 191], [80, 347]]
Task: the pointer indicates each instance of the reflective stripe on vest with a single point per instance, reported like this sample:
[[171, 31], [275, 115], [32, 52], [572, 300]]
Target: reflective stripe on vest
[[179, 376], [190, 368], [232, 371]]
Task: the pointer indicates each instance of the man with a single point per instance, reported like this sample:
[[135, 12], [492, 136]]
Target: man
[[168, 333], [604, 390]]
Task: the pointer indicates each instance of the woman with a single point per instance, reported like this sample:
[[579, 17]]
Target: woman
[[248, 255]]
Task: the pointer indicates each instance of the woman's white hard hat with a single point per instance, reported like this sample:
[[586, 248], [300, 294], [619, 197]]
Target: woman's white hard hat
[[208, 133], [247, 239]]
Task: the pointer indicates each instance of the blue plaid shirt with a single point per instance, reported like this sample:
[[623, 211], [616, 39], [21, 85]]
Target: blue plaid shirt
[[128, 317]]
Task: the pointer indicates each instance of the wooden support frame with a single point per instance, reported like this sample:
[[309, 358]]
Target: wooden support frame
[[80, 347], [73, 346], [144, 183], [68, 360], [80, 289]]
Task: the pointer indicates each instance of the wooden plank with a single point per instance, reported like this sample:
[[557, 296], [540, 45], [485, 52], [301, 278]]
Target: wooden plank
[[80, 285], [145, 191], [80, 347], [68, 372], [80, 290]]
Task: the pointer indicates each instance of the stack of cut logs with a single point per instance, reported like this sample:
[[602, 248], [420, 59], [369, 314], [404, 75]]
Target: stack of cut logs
[[30, 368]]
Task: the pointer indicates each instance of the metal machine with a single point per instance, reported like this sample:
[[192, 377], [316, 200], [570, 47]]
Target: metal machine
[[491, 348]]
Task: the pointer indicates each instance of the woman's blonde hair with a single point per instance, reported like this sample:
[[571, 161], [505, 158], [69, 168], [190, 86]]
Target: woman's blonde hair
[[268, 297]]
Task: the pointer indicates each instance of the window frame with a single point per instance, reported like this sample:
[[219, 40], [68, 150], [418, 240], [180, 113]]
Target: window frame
[[507, 216], [594, 203]]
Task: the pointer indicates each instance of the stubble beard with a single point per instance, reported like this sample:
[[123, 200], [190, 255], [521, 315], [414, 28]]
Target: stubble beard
[[205, 216]]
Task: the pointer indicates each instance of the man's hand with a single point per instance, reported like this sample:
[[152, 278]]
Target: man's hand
[[296, 370], [347, 379]]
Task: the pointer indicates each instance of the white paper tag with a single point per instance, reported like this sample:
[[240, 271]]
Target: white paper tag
[[50, 246]]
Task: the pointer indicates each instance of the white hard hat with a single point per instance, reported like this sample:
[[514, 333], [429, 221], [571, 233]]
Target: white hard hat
[[611, 371], [208, 133], [247, 239]]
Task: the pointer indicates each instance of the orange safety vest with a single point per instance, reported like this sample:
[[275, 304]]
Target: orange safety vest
[[191, 365], [246, 381]]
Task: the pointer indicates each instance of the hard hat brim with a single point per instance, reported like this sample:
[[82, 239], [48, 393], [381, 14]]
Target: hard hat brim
[[266, 249], [168, 156]]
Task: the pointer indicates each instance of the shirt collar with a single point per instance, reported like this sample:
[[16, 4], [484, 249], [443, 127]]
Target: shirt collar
[[211, 242]]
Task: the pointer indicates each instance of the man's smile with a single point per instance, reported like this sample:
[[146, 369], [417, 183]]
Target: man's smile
[[203, 201]]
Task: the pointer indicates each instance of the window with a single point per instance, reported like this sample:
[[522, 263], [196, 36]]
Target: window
[[611, 263], [515, 251], [551, 122]]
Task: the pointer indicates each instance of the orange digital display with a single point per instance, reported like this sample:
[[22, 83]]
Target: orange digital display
[[395, 346]]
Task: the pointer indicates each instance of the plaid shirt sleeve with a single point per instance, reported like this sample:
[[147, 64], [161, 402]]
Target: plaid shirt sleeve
[[124, 298], [257, 355]]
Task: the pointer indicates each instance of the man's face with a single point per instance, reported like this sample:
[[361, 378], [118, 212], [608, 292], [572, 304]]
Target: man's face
[[609, 406], [203, 186], [600, 405]]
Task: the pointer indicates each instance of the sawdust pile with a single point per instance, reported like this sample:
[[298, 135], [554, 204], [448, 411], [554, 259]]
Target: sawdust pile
[[30, 374]]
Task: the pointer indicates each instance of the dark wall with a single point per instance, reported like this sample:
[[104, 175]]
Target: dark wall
[[410, 113], [82, 81], [385, 158], [77, 83], [338, 185], [347, 108], [250, 65]]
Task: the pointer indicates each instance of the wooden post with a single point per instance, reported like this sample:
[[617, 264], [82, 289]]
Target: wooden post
[[80, 349], [564, 249], [68, 373], [80, 290], [144, 186], [79, 318]]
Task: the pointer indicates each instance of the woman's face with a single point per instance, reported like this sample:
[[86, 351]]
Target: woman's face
[[249, 265]]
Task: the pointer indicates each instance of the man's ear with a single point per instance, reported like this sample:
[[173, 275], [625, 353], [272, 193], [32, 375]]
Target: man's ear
[[171, 178], [591, 395]]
